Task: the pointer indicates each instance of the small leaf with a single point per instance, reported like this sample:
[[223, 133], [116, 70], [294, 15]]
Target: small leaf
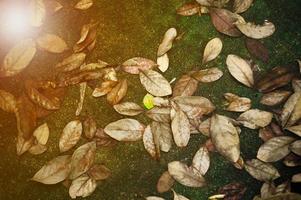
[[201, 161], [185, 86], [155, 83], [291, 112], [275, 98], [52, 43], [18, 58], [233, 191], [255, 118], [261, 171], [118, 92], [125, 130], [177, 196], [82, 186], [256, 31], [212, 50], [42, 134], [167, 41], [257, 49], [208, 75], [165, 182], [137, 64], [90, 127], [163, 62], [54, 171], [296, 178], [148, 101], [241, 6], [71, 135], [128, 108], [104, 89], [236, 103], [240, 69], [82, 93], [83, 4], [189, 9]]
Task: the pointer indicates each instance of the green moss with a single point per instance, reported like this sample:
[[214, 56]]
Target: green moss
[[135, 28]]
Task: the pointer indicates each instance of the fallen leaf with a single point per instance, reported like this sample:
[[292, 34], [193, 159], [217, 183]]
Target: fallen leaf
[[241, 6], [87, 37], [165, 182], [185, 86], [267, 189], [155, 83], [292, 160], [291, 111], [208, 75], [233, 191], [18, 58], [23, 145], [167, 41], [236, 103], [201, 161], [275, 98], [163, 62], [37, 12], [128, 108], [284, 187], [118, 92], [82, 93], [261, 171], [204, 127], [256, 31], [82, 186], [296, 84], [266, 133], [275, 149], [83, 4], [52, 43], [189, 9], [90, 127], [162, 135], [296, 178], [127, 130], [295, 129], [177, 196], [137, 64], [225, 137], [255, 118], [42, 134], [70, 63], [296, 147], [159, 114], [104, 89], [154, 198], [70, 135], [257, 49], [82, 159], [149, 143], [240, 69], [223, 20], [185, 175], [103, 140], [8, 102], [292, 196], [37, 149], [213, 3], [99, 172], [54, 171], [212, 50]]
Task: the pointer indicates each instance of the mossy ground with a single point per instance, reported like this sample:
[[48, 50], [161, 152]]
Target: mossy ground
[[135, 28]]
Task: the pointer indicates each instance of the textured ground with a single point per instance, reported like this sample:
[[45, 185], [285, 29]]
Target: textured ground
[[135, 28]]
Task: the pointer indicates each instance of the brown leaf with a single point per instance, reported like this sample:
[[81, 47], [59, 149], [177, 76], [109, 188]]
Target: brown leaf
[[208, 75], [223, 20], [118, 92], [267, 190], [212, 50], [83, 4], [159, 114], [125, 130], [165, 182], [213, 3], [70, 136], [201, 161], [54, 171], [99, 172], [292, 160], [104, 89], [295, 129], [37, 149], [266, 133], [261, 171], [167, 41], [41, 134], [296, 147], [162, 136], [241, 6], [103, 140], [236, 103], [255, 118], [291, 111], [233, 191], [256, 31], [149, 143], [128, 109], [82, 186], [275, 98], [189, 9], [90, 127], [136, 64], [185, 86], [87, 37], [52, 43], [163, 62], [8, 102], [82, 159], [257, 49], [72, 62], [82, 94]]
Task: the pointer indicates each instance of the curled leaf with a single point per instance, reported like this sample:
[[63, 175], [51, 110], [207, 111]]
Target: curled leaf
[[42, 134], [82, 93], [71, 63]]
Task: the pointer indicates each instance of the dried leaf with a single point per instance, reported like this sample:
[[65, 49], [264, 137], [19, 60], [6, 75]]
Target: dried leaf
[[261, 171], [82, 93], [159, 114], [241, 6], [223, 20], [8, 102], [71, 62], [292, 160], [128, 108], [54, 171], [189, 9], [155, 83], [149, 143], [236, 103], [296, 178], [255, 118], [165, 182], [70, 136], [257, 49], [204, 127], [83, 4], [82, 186], [23, 145], [90, 127], [296, 147], [125, 130], [275, 149], [256, 31], [163, 62], [42, 134], [162, 136], [99, 172], [291, 112], [233, 191], [225, 137], [213, 3], [82, 159], [240, 69], [18, 58], [185, 86], [87, 37], [37, 149], [118, 92], [177, 196], [296, 84], [194, 106], [52, 43], [154, 198], [275, 98], [37, 12], [137, 64], [180, 126], [212, 50], [266, 133], [295, 129], [290, 196], [267, 189], [201, 161], [185, 175], [103, 140], [167, 41], [208, 75], [104, 89]]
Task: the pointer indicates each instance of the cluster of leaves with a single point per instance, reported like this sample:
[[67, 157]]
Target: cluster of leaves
[[174, 111]]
